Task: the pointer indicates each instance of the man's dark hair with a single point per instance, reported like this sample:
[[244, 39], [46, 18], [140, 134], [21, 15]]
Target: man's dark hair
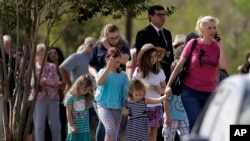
[[151, 10]]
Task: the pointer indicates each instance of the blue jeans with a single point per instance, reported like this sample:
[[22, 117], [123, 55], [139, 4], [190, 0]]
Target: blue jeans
[[100, 130], [49, 108], [193, 102]]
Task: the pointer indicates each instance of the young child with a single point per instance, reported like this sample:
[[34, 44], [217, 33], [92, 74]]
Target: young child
[[137, 126], [111, 93], [78, 101], [152, 75], [175, 117]]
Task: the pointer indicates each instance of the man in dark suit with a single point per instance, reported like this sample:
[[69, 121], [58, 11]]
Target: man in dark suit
[[152, 34], [155, 34]]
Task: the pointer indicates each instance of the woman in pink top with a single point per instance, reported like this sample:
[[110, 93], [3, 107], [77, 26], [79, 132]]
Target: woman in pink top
[[47, 103], [201, 78]]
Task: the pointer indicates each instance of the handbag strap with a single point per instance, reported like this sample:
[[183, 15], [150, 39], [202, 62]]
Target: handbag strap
[[192, 49]]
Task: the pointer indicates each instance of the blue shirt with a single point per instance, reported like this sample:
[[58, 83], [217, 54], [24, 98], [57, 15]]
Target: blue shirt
[[177, 110], [76, 64], [113, 92]]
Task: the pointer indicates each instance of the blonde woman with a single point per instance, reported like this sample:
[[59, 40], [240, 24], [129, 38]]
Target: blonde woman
[[47, 104], [201, 78]]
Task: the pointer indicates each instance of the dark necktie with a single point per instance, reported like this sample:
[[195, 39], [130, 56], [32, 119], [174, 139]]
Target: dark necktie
[[163, 38]]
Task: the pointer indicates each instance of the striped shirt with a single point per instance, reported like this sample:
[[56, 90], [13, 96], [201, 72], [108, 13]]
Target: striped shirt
[[80, 113]]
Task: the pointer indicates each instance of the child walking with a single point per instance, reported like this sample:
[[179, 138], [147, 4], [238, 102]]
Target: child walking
[[78, 101], [175, 116], [152, 75], [137, 128], [111, 93]]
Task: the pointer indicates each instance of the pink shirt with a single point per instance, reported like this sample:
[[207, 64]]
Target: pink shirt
[[203, 66], [49, 77]]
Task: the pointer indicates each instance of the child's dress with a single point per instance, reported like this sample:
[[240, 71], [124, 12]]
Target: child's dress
[[137, 128], [80, 117]]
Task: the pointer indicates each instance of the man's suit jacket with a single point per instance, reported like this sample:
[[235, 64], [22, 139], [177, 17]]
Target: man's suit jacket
[[150, 35]]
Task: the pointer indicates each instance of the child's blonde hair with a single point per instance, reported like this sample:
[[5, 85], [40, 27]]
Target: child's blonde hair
[[136, 85], [83, 81]]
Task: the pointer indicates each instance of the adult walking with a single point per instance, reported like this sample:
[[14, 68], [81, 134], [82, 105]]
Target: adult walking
[[77, 63], [201, 78]]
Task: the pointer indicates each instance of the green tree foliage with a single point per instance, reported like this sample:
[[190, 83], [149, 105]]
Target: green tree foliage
[[24, 20]]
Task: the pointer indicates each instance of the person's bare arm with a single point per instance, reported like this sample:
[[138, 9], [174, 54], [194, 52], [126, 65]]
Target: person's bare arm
[[66, 78], [174, 74], [156, 100], [92, 71], [223, 60], [167, 112], [69, 118], [124, 56]]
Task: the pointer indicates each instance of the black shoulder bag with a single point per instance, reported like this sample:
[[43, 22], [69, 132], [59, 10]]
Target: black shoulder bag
[[178, 82]]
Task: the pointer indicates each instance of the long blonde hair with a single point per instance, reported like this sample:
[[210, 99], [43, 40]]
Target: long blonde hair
[[83, 81]]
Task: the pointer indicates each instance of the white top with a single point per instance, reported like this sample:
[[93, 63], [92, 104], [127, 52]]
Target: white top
[[153, 79]]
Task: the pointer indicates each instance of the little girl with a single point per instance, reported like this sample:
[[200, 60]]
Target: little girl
[[137, 127], [111, 93], [78, 99], [152, 75]]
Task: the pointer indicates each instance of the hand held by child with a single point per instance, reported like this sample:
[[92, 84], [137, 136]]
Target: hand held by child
[[168, 91]]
